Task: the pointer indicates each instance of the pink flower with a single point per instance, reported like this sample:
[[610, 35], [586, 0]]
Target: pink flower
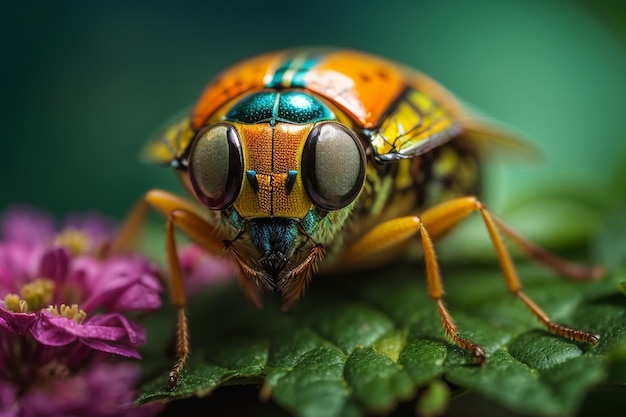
[[202, 270], [121, 284], [111, 333], [63, 327], [26, 226], [73, 395]]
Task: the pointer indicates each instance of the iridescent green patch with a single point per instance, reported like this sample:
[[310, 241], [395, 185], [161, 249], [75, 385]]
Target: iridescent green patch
[[270, 107]]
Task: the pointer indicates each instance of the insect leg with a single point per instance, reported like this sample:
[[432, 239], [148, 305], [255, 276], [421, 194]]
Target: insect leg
[[178, 299], [183, 214], [165, 203], [203, 234], [574, 271], [397, 231], [442, 217]]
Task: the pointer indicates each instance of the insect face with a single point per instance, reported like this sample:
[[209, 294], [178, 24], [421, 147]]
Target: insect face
[[275, 177]]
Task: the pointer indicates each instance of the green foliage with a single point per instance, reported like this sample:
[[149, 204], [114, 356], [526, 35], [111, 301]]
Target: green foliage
[[357, 345]]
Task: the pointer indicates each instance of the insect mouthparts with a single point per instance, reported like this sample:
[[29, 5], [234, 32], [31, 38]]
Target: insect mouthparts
[[273, 262]]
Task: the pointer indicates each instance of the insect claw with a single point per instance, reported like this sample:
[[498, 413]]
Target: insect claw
[[172, 380], [474, 349], [478, 354]]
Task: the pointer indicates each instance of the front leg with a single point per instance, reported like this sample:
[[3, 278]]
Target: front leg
[[187, 217]]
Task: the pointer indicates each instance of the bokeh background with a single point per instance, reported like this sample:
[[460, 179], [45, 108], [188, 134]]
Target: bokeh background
[[85, 84]]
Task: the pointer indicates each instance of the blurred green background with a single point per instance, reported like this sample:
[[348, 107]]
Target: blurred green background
[[85, 84]]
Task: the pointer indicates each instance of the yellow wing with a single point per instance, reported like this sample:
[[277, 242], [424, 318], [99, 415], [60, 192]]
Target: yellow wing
[[171, 144], [426, 116]]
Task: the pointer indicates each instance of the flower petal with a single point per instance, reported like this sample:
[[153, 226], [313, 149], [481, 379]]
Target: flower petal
[[201, 270], [16, 262], [114, 327], [54, 264], [101, 390], [8, 397], [26, 225], [52, 330], [18, 323], [111, 333], [126, 283]]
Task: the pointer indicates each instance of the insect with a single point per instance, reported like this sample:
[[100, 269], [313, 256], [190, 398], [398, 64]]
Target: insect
[[329, 159]]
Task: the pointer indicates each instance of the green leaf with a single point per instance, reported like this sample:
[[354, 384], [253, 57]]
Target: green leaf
[[359, 345], [434, 401]]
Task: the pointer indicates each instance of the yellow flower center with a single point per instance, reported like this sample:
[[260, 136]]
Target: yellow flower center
[[38, 293], [15, 304], [75, 240], [69, 312], [34, 296]]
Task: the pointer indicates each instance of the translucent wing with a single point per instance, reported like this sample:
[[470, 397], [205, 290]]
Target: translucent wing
[[495, 138], [171, 143], [426, 116]]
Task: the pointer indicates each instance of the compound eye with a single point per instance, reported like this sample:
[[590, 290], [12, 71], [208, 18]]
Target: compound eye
[[216, 166], [333, 166]]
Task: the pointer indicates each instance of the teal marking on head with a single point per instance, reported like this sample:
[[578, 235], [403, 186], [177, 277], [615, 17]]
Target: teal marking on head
[[291, 180], [298, 78], [278, 76], [312, 220], [297, 68], [236, 220], [295, 107], [253, 180]]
